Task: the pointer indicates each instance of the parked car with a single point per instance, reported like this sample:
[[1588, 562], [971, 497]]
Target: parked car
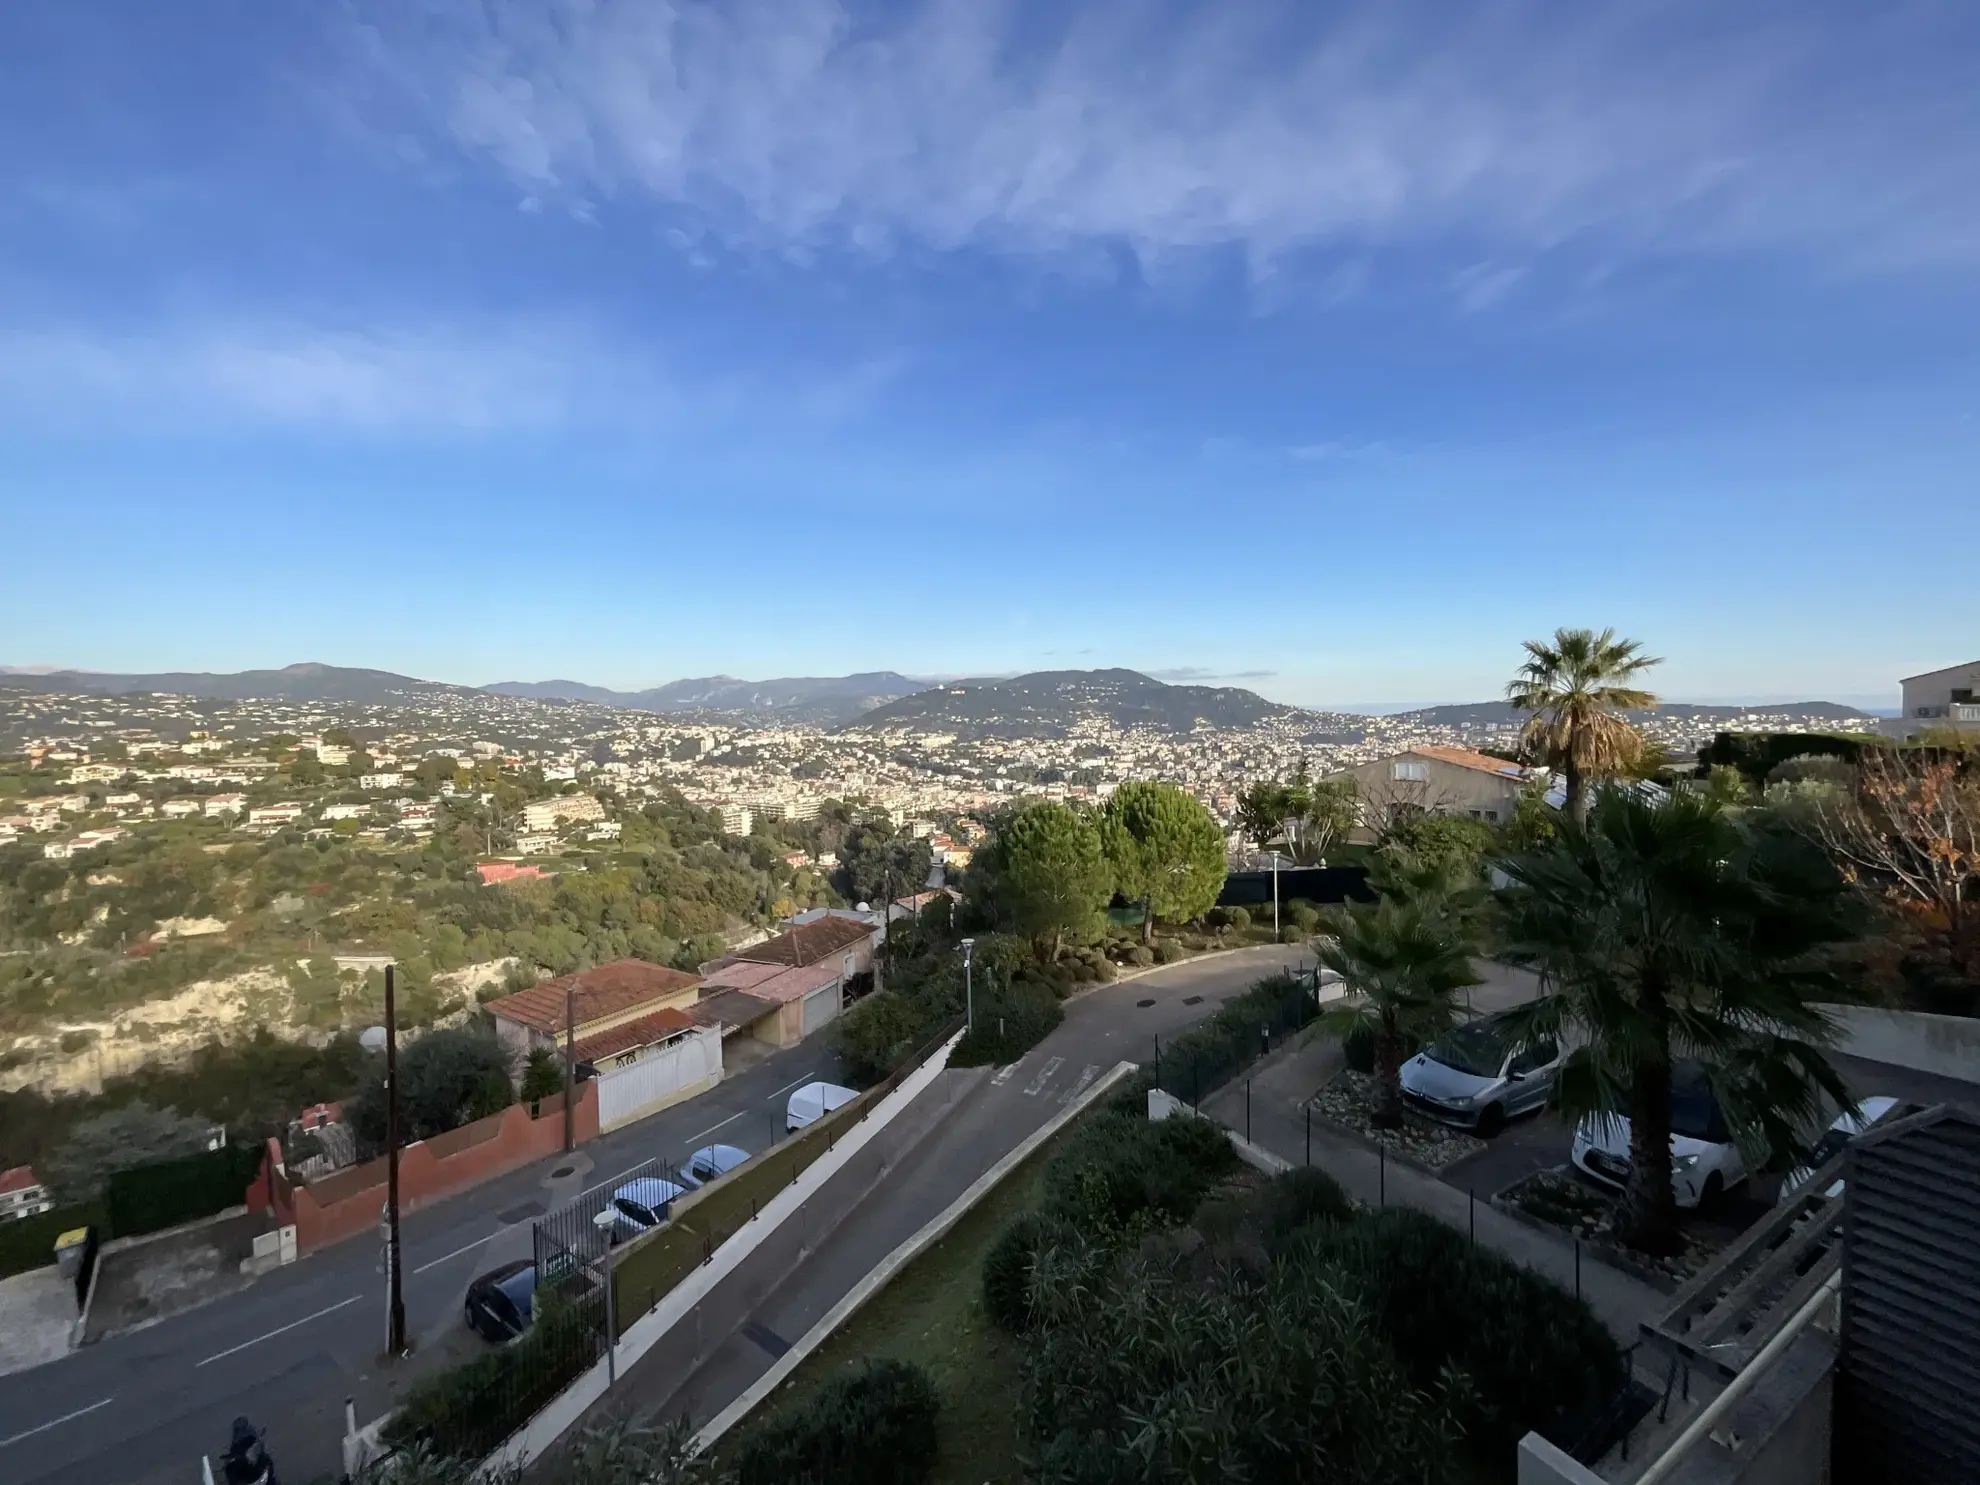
[[710, 1161], [813, 1102], [1705, 1163], [1477, 1076], [642, 1204], [1848, 1125], [500, 1303]]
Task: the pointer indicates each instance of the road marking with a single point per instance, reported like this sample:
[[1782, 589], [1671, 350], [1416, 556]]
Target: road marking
[[1037, 1084], [29, 1433], [807, 1078], [449, 1257], [1003, 1075], [698, 1138], [281, 1329], [1086, 1076]]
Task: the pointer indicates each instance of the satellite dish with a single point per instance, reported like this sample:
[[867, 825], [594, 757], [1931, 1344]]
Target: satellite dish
[[372, 1039], [864, 907]]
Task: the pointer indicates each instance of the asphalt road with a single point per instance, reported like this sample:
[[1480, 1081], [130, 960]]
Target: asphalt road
[[141, 1407]]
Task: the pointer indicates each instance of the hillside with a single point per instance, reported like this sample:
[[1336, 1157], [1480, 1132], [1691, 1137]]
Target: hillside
[[1048, 702], [1498, 714], [306, 682], [795, 698]]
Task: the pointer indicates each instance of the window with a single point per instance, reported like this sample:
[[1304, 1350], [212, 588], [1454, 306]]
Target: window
[[1410, 770], [1537, 1056]]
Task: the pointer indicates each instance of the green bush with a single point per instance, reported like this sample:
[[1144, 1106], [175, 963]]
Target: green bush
[[875, 1426], [1291, 1202], [1303, 915], [1167, 951], [877, 1034], [1237, 918], [29, 1242], [1010, 1021], [1104, 971], [1121, 1175], [148, 1198], [1142, 955], [1007, 1269], [1211, 1053], [1536, 1358]]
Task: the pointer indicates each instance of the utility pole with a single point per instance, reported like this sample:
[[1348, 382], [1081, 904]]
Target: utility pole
[[969, 985], [570, 1062], [395, 1308]]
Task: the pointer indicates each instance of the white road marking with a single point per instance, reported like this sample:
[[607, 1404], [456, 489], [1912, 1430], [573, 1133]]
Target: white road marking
[[696, 1139], [1086, 1076], [807, 1078], [449, 1257], [1003, 1075], [28, 1433], [281, 1329], [1037, 1084]]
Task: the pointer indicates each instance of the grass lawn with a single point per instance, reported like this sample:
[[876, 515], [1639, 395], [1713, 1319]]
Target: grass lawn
[[931, 1314]]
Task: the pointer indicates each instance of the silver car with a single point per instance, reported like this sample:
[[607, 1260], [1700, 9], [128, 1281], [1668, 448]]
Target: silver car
[[1477, 1078]]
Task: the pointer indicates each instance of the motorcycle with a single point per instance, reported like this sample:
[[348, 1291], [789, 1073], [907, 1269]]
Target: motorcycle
[[246, 1461]]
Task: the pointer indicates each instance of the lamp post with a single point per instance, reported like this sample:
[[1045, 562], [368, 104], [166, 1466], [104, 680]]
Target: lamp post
[[1275, 895], [969, 986]]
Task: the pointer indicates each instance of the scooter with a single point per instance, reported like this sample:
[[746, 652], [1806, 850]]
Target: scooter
[[246, 1461]]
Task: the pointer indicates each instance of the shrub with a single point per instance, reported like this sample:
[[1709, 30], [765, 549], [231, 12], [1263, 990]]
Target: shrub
[[1535, 1357], [1104, 971], [1010, 1021], [1167, 951], [1208, 1055], [877, 1426], [1297, 1199], [1303, 915], [1237, 918], [1007, 1269], [1142, 955], [1082, 972], [876, 1035], [1121, 1175]]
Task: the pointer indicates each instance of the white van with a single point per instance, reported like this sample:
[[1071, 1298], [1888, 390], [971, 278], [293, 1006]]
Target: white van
[[813, 1102]]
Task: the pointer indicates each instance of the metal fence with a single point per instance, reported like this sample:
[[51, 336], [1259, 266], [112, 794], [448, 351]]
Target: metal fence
[[1204, 1058], [573, 1240]]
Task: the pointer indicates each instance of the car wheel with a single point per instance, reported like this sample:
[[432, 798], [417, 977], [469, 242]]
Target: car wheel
[[1491, 1119], [1711, 1194]]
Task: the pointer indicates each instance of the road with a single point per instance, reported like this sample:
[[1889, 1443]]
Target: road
[[141, 1407]]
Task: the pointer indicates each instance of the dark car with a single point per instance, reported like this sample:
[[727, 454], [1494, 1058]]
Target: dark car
[[501, 1301]]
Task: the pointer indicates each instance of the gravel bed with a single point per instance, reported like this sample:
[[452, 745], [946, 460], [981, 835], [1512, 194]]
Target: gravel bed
[[1562, 1200], [1348, 1102]]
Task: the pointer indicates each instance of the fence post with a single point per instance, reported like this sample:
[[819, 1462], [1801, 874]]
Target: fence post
[[1382, 1187], [1247, 1111], [1472, 1193], [1309, 1134], [1577, 1268]]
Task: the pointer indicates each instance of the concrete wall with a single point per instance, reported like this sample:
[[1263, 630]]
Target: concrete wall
[[1778, 1434], [690, 1065], [1540, 1463], [349, 1202], [1948, 1046]]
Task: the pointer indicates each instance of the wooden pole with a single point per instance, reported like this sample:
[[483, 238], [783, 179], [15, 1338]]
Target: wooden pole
[[395, 1321]]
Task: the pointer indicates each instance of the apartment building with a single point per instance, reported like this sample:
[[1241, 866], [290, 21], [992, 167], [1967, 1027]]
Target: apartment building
[[1948, 698]]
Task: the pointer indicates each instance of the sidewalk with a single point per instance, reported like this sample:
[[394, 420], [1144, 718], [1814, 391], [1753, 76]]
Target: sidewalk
[[1280, 1086]]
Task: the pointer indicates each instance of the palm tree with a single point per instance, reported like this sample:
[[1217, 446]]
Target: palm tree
[[1403, 959], [1574, 687], [1681, 932]]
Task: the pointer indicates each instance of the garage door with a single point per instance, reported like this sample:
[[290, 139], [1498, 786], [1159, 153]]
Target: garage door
[[820, 1007]]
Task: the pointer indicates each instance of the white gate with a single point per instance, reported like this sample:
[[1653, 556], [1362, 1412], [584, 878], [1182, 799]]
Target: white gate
[[626, 1093]]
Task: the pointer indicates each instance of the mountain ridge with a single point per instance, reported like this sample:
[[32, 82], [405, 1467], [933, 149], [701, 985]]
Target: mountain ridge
[[1048, 702]]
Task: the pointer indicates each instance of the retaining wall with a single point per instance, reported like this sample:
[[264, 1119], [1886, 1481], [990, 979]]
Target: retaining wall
[[1947, 1046]]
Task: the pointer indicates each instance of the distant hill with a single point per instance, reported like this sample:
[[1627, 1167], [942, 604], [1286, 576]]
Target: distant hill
[[1497, 714], [796, 698], [308, 682], [1048, 702]]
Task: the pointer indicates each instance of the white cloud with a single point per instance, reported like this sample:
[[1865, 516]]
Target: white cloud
[[803, 125]]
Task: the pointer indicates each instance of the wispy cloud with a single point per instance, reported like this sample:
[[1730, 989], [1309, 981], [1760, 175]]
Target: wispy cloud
[[805, 125], [1190, 674], [401, 379]]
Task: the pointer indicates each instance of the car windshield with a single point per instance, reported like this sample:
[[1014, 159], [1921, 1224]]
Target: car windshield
[[1695, 1112], [1474, 1049]]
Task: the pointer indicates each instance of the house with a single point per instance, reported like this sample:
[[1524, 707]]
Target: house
[[1433, 779], [226, 804], [1940, 699], [536, 845], [179, 809], [596, 1000], [21, 1195], [275, 814], [736, 819], [548, 814], [345, 811], [381, 780], [493, 873], [801, 974]]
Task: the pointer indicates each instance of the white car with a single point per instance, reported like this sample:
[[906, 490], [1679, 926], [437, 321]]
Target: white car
[[813, 1102], [1849, 1124], [1705, 1163]]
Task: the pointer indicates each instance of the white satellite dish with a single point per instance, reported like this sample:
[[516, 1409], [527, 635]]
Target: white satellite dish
[[372, 1039], [864, 907]]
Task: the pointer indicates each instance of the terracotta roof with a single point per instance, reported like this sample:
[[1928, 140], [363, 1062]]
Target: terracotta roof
[[781, 983], [808, 942], [658, 1027], [1466, 758], [729, 1008], [605, 991], [18, 1179]]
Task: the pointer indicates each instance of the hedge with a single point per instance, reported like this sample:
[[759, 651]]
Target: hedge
[[1007, 1268], [149, 1198], [876, 1427], [1121, 1174], [1536, 1358], [29, 1242], [1207, 1056], [1010, 1021]]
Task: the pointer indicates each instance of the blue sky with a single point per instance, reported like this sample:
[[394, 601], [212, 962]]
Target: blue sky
[[1326, 349]]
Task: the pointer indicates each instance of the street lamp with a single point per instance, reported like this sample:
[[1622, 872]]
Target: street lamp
[[969, 987], [1275, 894]]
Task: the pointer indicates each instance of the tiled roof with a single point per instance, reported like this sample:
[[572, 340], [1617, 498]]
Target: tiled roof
[[18, 1179], [729, 1008], [808, 942], [1466, 758], [658, 1027], [605, 991]]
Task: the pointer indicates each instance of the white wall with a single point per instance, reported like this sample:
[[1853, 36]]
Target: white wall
[[688, 1065]]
